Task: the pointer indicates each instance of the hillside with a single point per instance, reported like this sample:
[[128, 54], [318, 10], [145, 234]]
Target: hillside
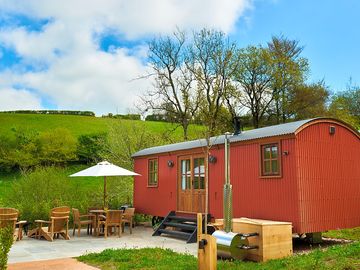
[[79, 125]]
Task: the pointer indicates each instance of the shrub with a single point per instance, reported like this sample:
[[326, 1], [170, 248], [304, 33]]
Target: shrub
[[18, 150], [24, 148], [38, 191], [6, 241], [57, 146], [90, 147]]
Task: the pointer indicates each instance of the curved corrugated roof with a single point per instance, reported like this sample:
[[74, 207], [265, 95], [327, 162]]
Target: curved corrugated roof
[[271, 131]]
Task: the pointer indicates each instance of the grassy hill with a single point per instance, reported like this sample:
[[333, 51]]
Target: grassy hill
[[79, 125]]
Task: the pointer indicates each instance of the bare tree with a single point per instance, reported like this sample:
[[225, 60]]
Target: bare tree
[[254, 77], [213, 62], [173, 93]]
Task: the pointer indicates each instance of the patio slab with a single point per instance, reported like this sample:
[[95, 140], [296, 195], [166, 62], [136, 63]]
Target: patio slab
[[29, 249], [58, 264]]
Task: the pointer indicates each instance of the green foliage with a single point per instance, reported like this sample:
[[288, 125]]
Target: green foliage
[[346, 106], [129, 116], [336, 257], [37, 192], [6, 241], [123, 142], [289, 70], [308, 101], [56, 146], [91, 146], [19, 149], [26, 148], [254, 76], [83, 113]]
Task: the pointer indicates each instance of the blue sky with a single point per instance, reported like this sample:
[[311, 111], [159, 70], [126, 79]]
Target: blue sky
[[329, 30], [75, 55]]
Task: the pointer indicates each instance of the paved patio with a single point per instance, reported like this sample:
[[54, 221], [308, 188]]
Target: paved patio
[[57, 264], [29, 249]]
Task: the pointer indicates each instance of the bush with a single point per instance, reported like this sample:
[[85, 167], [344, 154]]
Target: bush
[[24, 148], [38, 191], [57, 146], [90, 147], [6, 241]]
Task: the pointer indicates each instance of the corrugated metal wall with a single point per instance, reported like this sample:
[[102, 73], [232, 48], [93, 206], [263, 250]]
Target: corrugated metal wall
[[253, 196], [329, 178], [156, 201]]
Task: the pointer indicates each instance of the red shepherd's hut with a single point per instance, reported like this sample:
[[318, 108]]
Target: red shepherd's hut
[[305, 172]]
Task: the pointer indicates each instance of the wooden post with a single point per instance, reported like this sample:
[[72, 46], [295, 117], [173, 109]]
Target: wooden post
[[207, 249], [199, 226], [105, 202]]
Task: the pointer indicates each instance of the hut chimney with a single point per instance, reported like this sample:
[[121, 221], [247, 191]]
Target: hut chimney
[[237, 125], [227, 188]]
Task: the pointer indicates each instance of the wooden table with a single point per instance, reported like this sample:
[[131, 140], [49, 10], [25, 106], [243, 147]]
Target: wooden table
[[97, 213]]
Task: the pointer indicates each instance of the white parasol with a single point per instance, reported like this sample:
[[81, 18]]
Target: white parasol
[[104, 168]]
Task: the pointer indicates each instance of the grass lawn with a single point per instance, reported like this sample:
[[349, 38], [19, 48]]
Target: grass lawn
[[336, 257], [350, 234]]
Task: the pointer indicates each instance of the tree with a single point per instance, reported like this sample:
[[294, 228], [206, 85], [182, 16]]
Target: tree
[[254, 76], [346, 106], [289, 71], [308, 101], [90, 147], [123, 140], [173, 93], [213, 62], [57, 146]]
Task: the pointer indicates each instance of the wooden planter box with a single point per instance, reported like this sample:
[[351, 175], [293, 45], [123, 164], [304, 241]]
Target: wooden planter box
[[274, 240]]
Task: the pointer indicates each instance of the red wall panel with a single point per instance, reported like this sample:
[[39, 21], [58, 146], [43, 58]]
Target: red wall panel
[[329, 178], [156, 201]]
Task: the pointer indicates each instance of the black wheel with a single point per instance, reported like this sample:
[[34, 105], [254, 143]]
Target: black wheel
[[155, 221]]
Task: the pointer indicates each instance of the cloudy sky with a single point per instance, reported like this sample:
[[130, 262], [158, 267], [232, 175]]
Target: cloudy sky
[[85, 55]]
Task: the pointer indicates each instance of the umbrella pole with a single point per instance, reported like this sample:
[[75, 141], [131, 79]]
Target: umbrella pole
[[105, 206]]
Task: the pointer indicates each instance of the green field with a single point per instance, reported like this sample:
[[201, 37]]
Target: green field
[[79, 125]]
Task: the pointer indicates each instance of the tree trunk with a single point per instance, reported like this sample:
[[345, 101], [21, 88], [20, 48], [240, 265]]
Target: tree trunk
[[185, 126]]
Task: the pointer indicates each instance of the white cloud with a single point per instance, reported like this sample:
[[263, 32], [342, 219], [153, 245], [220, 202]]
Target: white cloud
[[79, 75], [12, 99]]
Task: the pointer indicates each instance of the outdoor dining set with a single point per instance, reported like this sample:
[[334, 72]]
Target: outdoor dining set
[[97, 221]]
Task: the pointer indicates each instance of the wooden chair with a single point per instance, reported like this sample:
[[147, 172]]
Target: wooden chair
[[58, 225], [128, 218], [113, 219], [9, 217], [89, 222]]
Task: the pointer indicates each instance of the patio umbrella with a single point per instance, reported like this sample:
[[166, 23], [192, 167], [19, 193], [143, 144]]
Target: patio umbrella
[[105, 169]]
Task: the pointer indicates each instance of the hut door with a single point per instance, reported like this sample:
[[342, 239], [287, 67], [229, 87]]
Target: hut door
[[191, 184]]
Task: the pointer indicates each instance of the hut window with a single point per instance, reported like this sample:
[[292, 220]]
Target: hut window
[[153, 173], [199, 173], [185, 174], [270, 160]]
